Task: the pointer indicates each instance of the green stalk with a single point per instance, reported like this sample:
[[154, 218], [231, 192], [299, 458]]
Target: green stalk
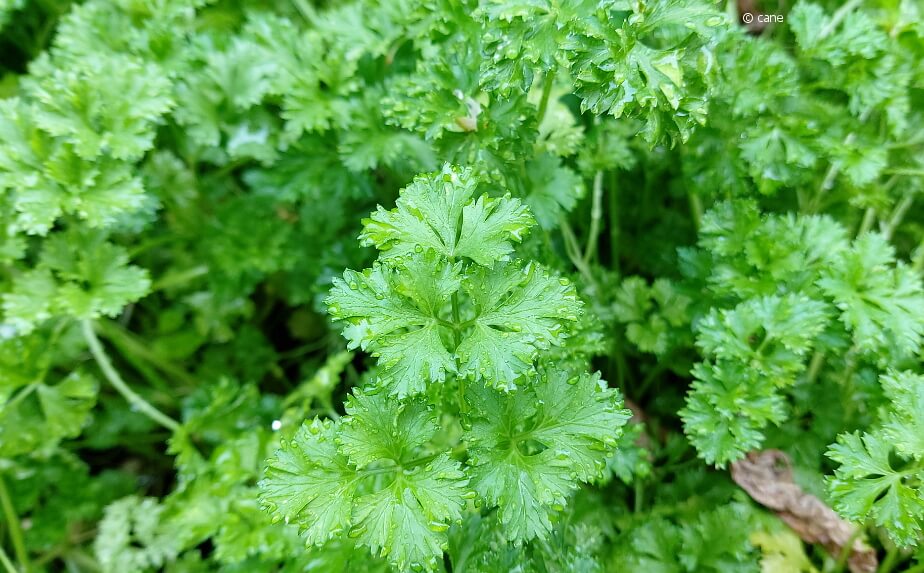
[[696, 209], [127, 343], [818, 360], [7, 564], [9, 513], [845, 552], [639, 496], [113, 377], [173, 279], [22, 395], [869, 217], [838, 17], [897, 215], [456, 321], [892, 556], [307, 11], [614, 223], [573, 250], [596, 214], [547, 84]]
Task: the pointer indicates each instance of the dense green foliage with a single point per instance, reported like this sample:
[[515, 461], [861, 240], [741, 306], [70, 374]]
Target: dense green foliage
[[373, 285]]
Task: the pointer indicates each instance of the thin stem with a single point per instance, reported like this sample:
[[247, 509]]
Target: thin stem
[[838, 17], [22, 395], [897, 215], [909, 172], [892, 556], [639, 495], [918, 264], [903, 144], [818, 360], [126, 342], [833, 170], [7, 564], [696, 209], [179, 278], [547, 84], [845, 552], [307, 11], [867, 223], [110, 373], [596, 214], [574, 253], [652, 375], [614, 223], [456, 318], [9, 513]]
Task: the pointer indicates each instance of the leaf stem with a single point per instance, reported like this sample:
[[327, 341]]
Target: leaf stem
[[456, 318], [833, 170], [126, 342], [22, 395], [614, 222], [818, 360], [897, 215], [892, 555], [307, 11], [696, 209], [639, 496], [596, 214], [547, 84], [110, 373], [573, 250], [9, 513], [903, 171], [178, 278], [845, 551], [867, 223], [838, 17], [7, 564]]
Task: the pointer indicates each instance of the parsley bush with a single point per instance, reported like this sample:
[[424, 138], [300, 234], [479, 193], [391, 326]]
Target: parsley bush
[[465, 286]]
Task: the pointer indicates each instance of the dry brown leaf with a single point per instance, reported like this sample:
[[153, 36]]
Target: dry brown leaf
[[767, 477]]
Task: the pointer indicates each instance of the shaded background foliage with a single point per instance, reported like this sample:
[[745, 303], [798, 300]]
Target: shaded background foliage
[[740, 212]]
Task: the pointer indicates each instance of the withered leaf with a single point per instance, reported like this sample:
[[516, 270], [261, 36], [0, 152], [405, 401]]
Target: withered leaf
[[767, 477]]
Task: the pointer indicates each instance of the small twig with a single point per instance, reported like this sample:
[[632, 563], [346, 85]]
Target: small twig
[[116, 380]]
